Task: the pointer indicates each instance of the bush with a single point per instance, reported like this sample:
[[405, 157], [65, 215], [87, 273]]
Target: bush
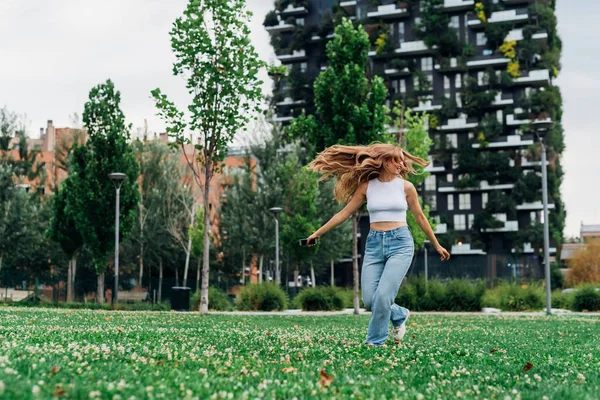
[[561, 300], [264, 297], [347, 294], [217, 300], [514, 297], [322, 298], [586, 298], [462, 295]]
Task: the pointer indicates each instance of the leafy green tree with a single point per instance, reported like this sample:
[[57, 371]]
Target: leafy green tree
[[105, 152], [197, 235], [212, 46]]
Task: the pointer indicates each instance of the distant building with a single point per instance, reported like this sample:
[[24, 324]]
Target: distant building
[[586, 233]]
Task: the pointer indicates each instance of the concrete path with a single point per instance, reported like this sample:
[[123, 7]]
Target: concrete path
[[350, 311]]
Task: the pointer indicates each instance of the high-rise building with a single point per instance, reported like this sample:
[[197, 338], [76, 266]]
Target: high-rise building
[[482, 71]]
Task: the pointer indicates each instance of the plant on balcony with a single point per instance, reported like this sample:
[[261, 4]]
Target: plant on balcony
[[448, 109], [527, 188], [434, 30], [499, 203], [401, 63], [421, 82], [301, 38], [271, 19], [496, 33], [475, 99], [489, 127], [480, 12], [290, 20]]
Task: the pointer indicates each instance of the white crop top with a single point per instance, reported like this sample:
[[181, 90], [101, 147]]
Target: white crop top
[[386, 201]]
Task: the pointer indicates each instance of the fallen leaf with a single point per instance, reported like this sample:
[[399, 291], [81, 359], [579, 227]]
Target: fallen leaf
[[159, 362], [288, 369], [413, 336], [296, 326], [120, 330], [493, 350], [527, 367], [268, 333], [326, 379], [58, 392], [413, 324], [55, 369]]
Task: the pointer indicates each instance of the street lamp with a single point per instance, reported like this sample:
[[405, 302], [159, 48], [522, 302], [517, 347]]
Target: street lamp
[[275, 211], [425, 251], [117, 180], [541, 128]]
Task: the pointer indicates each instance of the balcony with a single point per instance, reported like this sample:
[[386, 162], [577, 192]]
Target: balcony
[[528, 248], [456, 5], [517, 1], [349, 7], [432, 167], [509, 226], [510, 141], [282, 27], [459, 124], [282, 118], [440, 229], [511, 119], [503, 99], [449, 64], [517, 35], [487, 61], [291, 10], [535, 206], [391, 69], [448, 187], [397, 9], [538, 77], [525, 163], [296, 55], [464, 249], [500, 16], [429, 105], [288, 101], [416, 47]]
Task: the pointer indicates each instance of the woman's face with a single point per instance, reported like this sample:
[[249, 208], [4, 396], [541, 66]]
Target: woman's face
[[394, 166]]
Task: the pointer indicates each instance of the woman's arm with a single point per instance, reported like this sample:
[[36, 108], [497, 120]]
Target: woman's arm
[[354, 204], [412, 198]]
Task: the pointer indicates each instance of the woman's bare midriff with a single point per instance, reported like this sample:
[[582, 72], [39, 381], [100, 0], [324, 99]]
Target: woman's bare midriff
[[386, 226]]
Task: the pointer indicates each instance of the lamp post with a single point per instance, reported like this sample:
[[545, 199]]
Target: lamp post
[[541, 128], [275, 211], [426, 264], [117, 180]]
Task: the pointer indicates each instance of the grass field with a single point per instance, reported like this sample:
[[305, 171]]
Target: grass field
[[88, 354]]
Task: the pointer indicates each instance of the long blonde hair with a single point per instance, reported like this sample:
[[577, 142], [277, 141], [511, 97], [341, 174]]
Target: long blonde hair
[[353, 165]]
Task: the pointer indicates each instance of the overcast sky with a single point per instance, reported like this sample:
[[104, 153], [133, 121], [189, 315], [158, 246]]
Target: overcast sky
[[53, 51]]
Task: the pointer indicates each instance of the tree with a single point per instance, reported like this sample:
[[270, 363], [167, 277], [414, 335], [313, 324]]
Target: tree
[[211, 42], [106, 151], [584, 265], [343, 116], [197, 235]]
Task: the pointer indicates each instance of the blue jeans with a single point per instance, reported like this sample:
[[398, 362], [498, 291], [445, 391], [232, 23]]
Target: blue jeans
[[388, 256]]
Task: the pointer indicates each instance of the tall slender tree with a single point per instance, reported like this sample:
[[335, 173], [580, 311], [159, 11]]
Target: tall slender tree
[[213, 50]]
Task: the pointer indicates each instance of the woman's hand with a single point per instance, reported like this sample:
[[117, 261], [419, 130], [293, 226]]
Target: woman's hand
[[444, 255], [311, 239]]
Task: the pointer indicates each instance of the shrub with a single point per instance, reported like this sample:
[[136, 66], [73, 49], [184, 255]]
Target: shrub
[[513, 297], [264, 297], [462, 295], [217, 300], [322, 298], [271, 19], [561, 300], [586, 298]]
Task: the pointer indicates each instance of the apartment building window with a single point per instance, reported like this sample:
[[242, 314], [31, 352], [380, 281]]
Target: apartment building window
[[450, 178], [446, 83], [458, 100], [484, 200], [402, 86], [488, 52], [427, 64], [431, 201], [466, 31], [299, 21], [481, 39], [460, 223], [450, 202], [464, 201], [454, 161], [430, 183], [457, 81], [500, 116], [452, 140], [401, 38], [471, 220], [481, 80], [454, 22], [533, 217], [303, 67]]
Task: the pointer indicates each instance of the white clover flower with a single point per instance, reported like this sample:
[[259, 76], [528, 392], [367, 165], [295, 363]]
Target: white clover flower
[[35, 390], [2, 387], [94, 394], [10, 371]]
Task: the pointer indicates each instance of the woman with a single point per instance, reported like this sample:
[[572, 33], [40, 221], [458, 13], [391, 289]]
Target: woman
[[377, 174]]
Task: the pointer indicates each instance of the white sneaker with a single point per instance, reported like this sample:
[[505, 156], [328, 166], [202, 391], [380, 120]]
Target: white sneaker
[[399, 331]]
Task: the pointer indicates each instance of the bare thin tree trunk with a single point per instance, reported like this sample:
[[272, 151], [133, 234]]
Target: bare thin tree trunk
[[188, 250], [243, 280], [355, 261], [260, 268], [198, 274], [160, 278], [73, 274], [100, 289], [332, 274], [141, 265], [206, 249], [296, 273], [312, 274]]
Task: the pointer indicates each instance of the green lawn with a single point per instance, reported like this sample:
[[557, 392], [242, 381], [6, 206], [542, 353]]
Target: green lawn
[[84, 354]]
